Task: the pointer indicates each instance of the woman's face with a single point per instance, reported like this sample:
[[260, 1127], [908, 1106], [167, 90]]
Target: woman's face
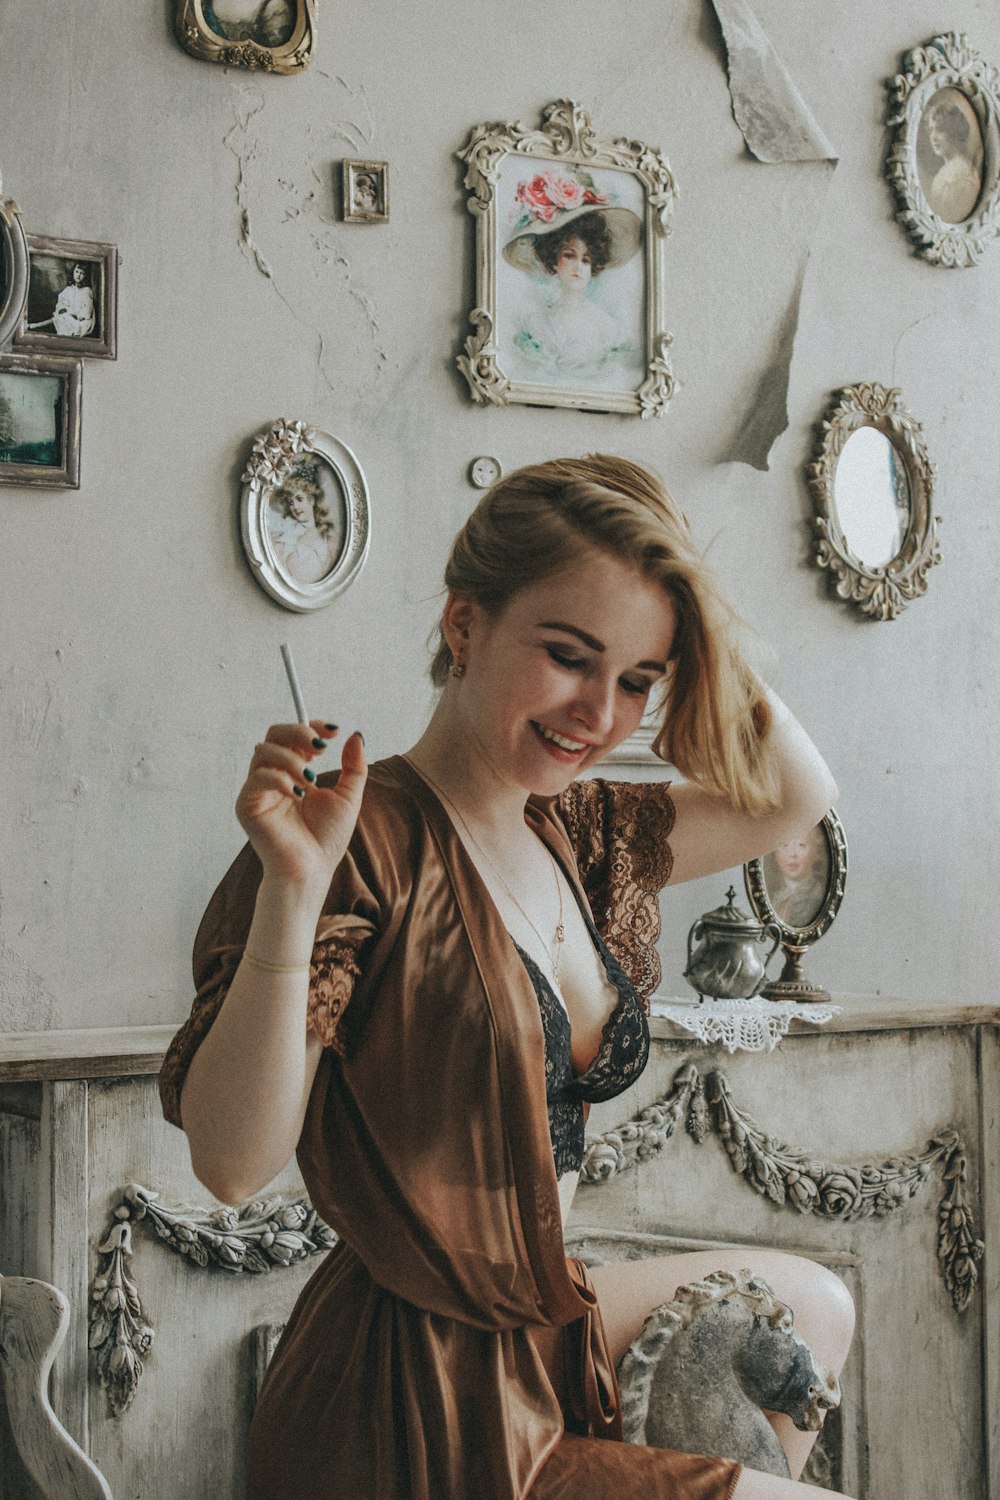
[[563, 674], [794, 856], [573, 265], [79, 275], [299, 503]]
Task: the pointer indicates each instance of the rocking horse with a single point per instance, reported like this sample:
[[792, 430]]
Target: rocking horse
[[705, 1364]]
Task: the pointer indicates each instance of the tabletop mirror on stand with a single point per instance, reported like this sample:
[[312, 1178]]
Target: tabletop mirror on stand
[[799, 889]]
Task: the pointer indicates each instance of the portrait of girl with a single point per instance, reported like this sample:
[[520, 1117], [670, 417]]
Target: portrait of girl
[[950, 156], [572, 311], [301, 525], [797, 874]]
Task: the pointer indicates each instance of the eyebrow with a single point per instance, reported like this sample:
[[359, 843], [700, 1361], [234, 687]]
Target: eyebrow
[[593, 642]]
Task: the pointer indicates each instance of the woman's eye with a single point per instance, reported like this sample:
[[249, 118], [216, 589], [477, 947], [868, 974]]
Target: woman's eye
[[565, 659], [639, 686]]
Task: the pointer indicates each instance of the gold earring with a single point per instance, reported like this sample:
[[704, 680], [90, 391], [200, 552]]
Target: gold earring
[[457, 670]]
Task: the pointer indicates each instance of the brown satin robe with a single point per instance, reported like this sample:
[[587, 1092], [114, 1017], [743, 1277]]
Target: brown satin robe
[[446, 1349]]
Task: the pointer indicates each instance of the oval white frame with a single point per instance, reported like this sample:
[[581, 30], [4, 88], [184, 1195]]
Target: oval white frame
[[275, 454], [15, 260]]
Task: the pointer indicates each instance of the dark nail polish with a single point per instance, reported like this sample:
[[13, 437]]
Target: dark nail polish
[[332, 727], [318, 744], [299, 791], [309, 775]]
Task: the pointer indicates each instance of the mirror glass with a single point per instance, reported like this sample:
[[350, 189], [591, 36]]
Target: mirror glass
[[871, 497]]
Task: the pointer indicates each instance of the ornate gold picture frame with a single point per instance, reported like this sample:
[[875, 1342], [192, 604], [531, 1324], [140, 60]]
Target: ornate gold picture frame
[[267, 36], [873, 483], [944, 163], [569, 301]]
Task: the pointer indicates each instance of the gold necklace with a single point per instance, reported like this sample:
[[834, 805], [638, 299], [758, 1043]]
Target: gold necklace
[[553, 955]]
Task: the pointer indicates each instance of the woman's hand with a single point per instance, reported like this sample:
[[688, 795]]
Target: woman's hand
[[300, 831]]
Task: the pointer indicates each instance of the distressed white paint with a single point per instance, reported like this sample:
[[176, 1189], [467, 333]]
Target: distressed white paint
[[141, 660]]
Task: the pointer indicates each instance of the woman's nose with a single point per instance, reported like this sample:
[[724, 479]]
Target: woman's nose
[[595, 705]]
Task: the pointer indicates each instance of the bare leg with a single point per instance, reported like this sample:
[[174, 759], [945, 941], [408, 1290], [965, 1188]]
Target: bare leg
[[753, 1485], [628, 1291]]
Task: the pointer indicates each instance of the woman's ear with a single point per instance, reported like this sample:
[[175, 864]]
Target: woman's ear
[[456, 622]]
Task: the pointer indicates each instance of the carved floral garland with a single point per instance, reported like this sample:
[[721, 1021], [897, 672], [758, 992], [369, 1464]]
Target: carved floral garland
[[793, 1178], [255, 1238], [271, 1232]]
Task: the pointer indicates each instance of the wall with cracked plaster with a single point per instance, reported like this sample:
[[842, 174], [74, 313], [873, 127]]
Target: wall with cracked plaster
[[141, 660]]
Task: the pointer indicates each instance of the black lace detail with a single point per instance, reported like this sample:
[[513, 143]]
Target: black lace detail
[[621, 1057]]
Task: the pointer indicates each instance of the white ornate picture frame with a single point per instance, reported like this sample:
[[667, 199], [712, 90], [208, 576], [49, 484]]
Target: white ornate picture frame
[[266, 36], [944, 162], [569, 301], [305, 515], [40, 402], [72, 304], [13, 269]]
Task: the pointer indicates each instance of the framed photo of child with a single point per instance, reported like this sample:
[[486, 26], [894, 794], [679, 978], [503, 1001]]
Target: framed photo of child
[[569, 269], [72, 305]]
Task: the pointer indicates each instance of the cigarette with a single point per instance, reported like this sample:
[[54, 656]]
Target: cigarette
[[293, 683]]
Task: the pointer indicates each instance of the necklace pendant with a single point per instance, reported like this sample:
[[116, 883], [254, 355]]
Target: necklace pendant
[[560, 933]]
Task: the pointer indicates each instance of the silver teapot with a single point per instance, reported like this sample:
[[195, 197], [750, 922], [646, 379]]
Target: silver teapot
[[727, 964]]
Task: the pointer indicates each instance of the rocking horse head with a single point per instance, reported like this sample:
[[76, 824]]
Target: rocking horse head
[[704, 1366]]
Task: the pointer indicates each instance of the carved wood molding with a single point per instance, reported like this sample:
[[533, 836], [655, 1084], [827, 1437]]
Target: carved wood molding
[[259, 1236], [794, 1178]]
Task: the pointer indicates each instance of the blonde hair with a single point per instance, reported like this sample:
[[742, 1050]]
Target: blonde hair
[[540, 520]]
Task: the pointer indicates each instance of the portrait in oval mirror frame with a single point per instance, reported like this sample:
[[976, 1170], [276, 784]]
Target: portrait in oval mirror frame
[[944, 161], [304, 515], [799, 888], [895, 483]]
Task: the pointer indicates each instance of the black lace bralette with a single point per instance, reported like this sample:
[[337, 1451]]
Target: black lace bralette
[[621, 1056]]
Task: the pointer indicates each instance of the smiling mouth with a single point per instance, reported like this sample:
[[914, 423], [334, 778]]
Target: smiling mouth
[[560, 743]]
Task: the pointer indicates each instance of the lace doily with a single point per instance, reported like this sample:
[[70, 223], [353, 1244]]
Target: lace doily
[[755, 1025]]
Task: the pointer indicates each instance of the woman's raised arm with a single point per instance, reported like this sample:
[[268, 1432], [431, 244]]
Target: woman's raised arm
[[246, 1091], [710, 834]]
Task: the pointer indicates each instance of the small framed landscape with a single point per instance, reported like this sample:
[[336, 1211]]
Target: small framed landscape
[[569, 302], [72, 303], [944, 163], [305, 515], [364, 189], [267, 36], [40, 421]]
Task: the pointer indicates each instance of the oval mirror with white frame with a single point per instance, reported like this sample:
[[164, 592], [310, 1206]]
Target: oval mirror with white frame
[[14, 269], [799, 888], [873, 482], [305, 515]]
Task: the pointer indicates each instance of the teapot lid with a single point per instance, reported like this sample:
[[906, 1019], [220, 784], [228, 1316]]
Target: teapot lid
[[730, 918]]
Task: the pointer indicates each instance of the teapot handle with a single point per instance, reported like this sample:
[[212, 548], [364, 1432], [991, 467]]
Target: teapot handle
[[771, 927], [693, 935]]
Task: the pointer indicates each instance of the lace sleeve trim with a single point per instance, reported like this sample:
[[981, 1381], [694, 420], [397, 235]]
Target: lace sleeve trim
[[333, 972]]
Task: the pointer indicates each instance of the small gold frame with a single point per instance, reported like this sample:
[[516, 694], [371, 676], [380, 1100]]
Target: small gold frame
[[290, 55]]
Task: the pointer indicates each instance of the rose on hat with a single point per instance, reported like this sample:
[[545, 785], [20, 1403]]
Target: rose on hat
[[555, 198]]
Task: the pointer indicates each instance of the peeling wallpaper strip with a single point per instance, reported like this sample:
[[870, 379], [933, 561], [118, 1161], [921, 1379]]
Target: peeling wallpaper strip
[[774, 118]]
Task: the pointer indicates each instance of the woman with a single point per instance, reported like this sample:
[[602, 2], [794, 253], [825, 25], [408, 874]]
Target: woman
[[301, 527], [957, 184], [417, 975], [569, 234]]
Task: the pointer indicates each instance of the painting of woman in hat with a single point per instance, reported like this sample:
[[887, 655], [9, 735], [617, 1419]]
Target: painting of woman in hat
[[567, 325]]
